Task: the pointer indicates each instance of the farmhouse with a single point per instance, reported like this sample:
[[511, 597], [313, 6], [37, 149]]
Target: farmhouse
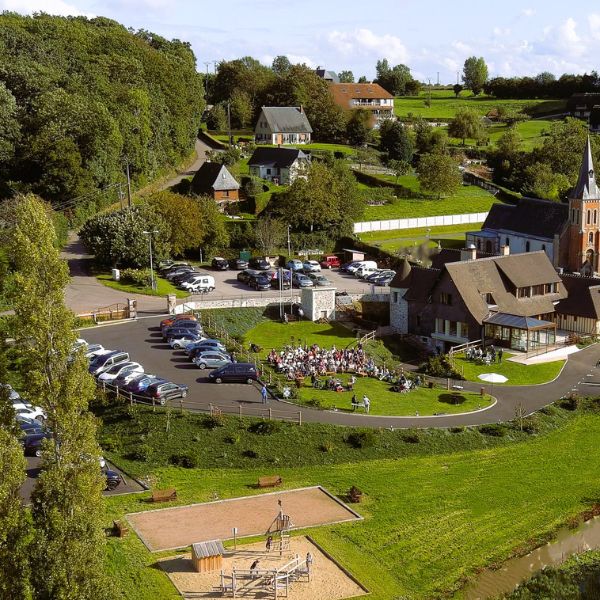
[[370, 96], [279, 125], [330, 76], [279, 165], [580, 105], [213, 179]]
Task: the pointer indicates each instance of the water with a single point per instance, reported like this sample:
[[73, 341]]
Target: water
[[490, 584]]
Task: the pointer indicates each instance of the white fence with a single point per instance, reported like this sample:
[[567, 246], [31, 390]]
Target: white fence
[[417, 222]]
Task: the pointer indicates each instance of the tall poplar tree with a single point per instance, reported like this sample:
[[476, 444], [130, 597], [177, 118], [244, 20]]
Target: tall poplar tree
[[67, 550]]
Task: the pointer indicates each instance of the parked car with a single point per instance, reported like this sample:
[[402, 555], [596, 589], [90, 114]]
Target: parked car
[[300, 280], [259, 282], [311, 266], [28, 425], [200, 282], [138, 386], [238, 264], [294, 264], [185, 340], [30, 412], [113, 479], [244, 276], [383, 281], [185, 277], [365, 270], [220, 264], [113, 372], [32, 442], [171, 275], [349, 265], [361, 263], [93, 350], [259, 263], [205, 346], [284, 283], [105, 361], [211, 360], [164, 390], [318, 279], [378, 275], [180, 330], [167, 266], [12, 393], [233, 372], [330, 261], [124, 379], [174, 318]]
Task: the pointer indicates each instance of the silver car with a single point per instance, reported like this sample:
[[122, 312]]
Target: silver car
[[318, 279], [211, 360]]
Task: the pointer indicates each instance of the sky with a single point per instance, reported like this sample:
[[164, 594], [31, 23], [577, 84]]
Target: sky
[[515, 37]]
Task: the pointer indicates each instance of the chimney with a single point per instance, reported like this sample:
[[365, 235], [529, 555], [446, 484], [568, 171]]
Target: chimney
[[301, 109], [468, 253], [504, 250]]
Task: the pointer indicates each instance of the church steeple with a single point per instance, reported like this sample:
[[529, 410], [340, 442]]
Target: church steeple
[[586, 188]]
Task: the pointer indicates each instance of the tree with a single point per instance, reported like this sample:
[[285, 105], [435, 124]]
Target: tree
[[399, 167], [362, 79], [428, 138], [475, 74], [457, 89], [466, 124], [217, 118], [358, 129], [67, 507], [396, 80], [117, 239], [346, 77], [270, 234], [395, 141], [367, 156], [509, 144], [439, 174], [281, 65], [215, 236], [241, 109], [542, 182]]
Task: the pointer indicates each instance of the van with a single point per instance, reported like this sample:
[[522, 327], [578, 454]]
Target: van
[[331, 261], [240, 372], [361, 263], [105, 361], [365, 270], [200, 283]]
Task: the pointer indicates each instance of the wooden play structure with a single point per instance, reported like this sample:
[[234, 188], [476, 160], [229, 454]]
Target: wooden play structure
[[207, 556]]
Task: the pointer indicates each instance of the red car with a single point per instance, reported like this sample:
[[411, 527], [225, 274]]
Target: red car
[[330, 262]]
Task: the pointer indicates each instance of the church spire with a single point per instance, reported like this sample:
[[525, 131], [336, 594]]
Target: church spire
[[586, 187]]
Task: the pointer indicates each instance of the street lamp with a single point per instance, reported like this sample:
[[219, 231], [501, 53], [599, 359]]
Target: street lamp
[[149, 234]]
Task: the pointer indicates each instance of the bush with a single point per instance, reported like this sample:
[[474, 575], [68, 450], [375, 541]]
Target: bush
[[457, 429], [570, 403], [493, 429], [361, 439], [327, 447], [232, 439], [212, 421], [439, 366], [139, 277], [142, 453], [264, 427], [250, 454], [354, 494], [314, 402], [185, 460], [411, 438]]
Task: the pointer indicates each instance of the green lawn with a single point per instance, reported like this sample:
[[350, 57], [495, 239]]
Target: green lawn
[[469, 199], [163, 287], [516, 373], [446, 505], [422, 401], [450, 236], [444, 104]]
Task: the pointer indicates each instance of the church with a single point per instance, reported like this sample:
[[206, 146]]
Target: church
[[569, 233]]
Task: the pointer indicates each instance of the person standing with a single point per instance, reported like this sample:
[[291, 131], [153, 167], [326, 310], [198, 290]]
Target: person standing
[[367, 404], [500, 352], [263, 394]]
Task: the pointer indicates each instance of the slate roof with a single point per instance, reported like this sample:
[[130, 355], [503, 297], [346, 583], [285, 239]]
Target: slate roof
[[539, 218], [285, 119], [421, 283], [583, 299], [587, 99], [586, 187], [212, 177], [328, 75], [448, 255], [499, 275], [208, 549], [275, 157]]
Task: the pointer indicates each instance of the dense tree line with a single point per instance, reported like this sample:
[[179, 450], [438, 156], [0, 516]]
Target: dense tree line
[[79, 97], [544, 85]]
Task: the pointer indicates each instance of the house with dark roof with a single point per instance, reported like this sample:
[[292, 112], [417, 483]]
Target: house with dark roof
[[580, 105], [330, 76], [279, 165], [369, 96], [279, 125], [506, 300], [579, 312], [213, 179], [595, 118], [569, 233]]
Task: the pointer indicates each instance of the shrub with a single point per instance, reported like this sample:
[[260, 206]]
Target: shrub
[[110, 444], [264, 427], [530, 426], [185, 460], [457, 429], [314, 402], [141, 453], [250, 454], [232, 439], [440, 366], [354, 494], [361, 439], [494, 429], [139, 277], [411, 438], [212, 421], [570, 403], [327, 447]]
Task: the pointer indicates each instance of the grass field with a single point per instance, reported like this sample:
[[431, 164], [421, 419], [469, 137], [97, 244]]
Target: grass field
[[444, 104], [450, 236], [163, 287], [447, 504], [516, 373]]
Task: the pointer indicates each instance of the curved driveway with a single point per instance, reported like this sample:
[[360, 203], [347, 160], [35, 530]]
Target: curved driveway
[[142, 340]]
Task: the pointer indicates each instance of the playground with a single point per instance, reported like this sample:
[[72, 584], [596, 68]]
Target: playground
[[177, 527], [322, 579]]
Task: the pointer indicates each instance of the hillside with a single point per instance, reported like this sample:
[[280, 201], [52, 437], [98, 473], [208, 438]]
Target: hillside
[[80, 96]]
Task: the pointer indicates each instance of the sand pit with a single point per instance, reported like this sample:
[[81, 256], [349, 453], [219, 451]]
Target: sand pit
[[177, 527], [327, 582]]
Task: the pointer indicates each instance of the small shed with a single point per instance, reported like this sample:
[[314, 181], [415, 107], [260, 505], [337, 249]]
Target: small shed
[[207, 556], [351, 254]]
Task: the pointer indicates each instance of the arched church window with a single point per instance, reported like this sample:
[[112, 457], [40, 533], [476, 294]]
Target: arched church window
[[589, 217], [591, 238], [595, 216]]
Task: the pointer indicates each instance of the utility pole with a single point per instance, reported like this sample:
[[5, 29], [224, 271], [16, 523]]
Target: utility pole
[[289, 244], [149, 234], [128, 182], [457, 76], [438, 78], [207, 63], [215, 63]]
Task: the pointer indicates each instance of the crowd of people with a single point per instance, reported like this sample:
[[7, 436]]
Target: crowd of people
[[487, 356]]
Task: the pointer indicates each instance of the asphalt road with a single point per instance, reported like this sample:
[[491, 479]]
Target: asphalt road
[[142, 340]]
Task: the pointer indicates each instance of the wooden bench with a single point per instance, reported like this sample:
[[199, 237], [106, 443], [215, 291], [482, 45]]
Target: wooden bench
[[120, 528], [164, 495], [269, 481]]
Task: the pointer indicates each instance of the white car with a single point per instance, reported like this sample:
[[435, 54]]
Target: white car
[[94, 350], [30, 412], [13, 394], [311, 266], [113, 372], [181, 342]]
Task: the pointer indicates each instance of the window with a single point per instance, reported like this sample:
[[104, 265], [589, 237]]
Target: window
[[268, 171], [595, 216], [589, 217], [446, 298], [527, 246], [590, 238], [489, 298], [464, 330], [507, 242], [395, 297], [439, 326], [452, 328], [226, 193]]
